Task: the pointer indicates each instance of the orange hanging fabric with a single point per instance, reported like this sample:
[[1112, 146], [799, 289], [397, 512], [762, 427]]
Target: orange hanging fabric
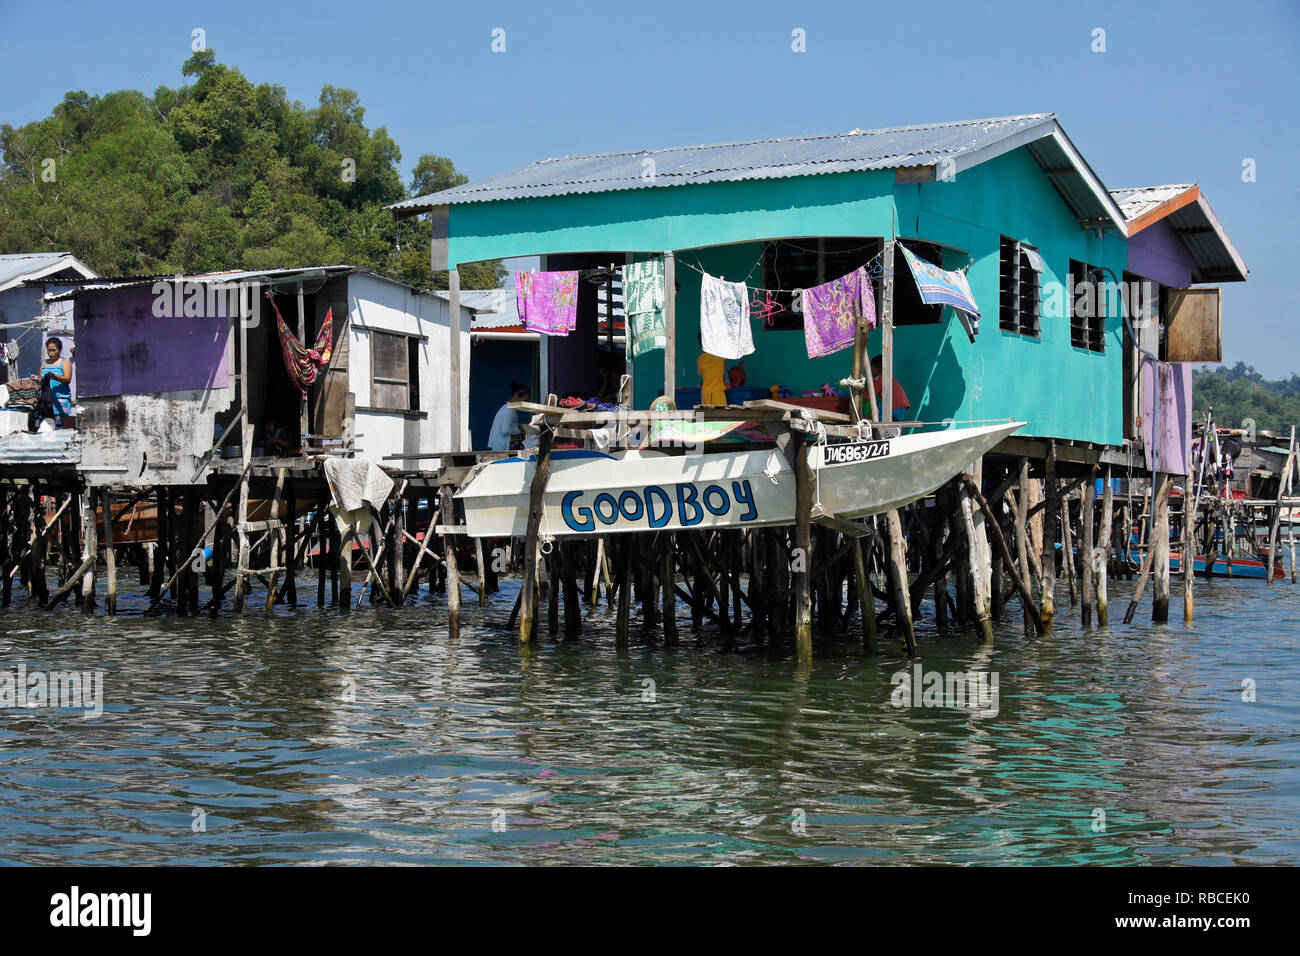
[[303, 364]]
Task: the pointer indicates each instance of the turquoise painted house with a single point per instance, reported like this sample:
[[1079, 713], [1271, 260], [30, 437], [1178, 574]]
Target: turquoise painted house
[[1011, 200]]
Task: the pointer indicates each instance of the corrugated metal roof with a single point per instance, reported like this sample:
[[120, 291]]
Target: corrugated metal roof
[[18, 267], [1139, 200], [752, 159], [1188, 213], [109, 283]]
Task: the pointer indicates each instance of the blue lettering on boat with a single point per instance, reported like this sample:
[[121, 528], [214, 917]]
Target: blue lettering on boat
[[744, 494], [585, 522], [656, 506], [686, 498], [652, 492]]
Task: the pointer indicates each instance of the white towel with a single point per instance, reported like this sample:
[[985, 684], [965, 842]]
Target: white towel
[[724, 318]]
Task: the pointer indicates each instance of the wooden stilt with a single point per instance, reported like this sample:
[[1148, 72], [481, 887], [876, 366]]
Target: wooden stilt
[[291, 527], [1021, 580], [1282, 482], [220, 554], [1101, 556], [345, 538], [982, 620], [1160, 549], [567, 558], [8, 520], [110, 554], [1086, 506], [1022, 546], [625, 546], [481, 561], [89, 550], [1067, 550], [1048, 560], [276, 545], [898, 568], [796, 452], [667, 579], [1147, 561], [1187, 562], [866, 600], [447, 507], [541, 474]]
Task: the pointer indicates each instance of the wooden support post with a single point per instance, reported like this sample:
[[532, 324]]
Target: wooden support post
[[801, 563], [246, 456], [938, 559], [1187, 561], [898, 567], [1022, 546], [447, 507], [291, 524], [866, 600], [483, 572], [1159, 548], [1101, 556], [1282, 481], [1048, 559], [887, 336], [568, 553], [594, 563], [537, 489], [670, 325], [1067, 549], [982, 619], [625, 545], [1021, 580], [1086, 508], [7, 521], [89, 549], [668, 594], [455, 361], [276, 545], [220, 552], [1147, 560], [110, 555], [36, 584]]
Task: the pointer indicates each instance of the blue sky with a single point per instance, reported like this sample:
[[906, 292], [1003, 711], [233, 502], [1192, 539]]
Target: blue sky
[[1183, 93]]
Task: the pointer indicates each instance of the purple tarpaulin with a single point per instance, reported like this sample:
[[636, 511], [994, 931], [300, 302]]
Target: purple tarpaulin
[[124, 349], [1172, 421]]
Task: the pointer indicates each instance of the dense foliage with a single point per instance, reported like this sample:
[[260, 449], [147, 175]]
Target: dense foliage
[[219, 174], [1240, 392]]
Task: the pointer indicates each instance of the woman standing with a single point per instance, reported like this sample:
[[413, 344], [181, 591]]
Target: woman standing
[[59, 371]]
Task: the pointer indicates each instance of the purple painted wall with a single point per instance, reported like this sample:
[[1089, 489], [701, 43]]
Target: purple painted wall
[[124, 349], [1156, 253]]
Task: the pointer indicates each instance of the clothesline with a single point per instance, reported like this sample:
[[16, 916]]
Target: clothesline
[[871, 273]]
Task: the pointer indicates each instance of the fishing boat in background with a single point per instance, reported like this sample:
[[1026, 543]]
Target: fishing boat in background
[[646, 489]]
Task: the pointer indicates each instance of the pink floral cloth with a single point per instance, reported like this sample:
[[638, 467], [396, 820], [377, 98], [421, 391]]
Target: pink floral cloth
[[548, 301], [831, 312]]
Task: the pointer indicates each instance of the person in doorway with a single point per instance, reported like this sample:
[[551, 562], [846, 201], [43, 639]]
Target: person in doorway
[[712, 369], [58, 371], [505, 427], [274, 440], [900, 401]]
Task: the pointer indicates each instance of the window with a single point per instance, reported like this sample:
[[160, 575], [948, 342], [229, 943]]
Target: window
[[1020, 271], [1087, 305], [803, 263], [908, 307], [394, 371]]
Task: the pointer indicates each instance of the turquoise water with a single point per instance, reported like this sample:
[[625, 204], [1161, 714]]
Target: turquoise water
[[314, 737]]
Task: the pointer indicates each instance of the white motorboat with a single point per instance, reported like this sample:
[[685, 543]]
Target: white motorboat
[[592, 492]]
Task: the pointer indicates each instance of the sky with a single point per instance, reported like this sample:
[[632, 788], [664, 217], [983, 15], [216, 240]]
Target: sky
[[1183, 92]]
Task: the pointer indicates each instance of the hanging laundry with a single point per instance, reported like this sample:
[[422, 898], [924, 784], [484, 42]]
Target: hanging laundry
[[643, 303], [833, 311], [724, 318], [941, 287], [304, 365], [548, 301]]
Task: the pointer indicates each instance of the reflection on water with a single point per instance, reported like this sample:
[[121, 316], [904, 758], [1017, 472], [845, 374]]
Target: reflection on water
[[319, 738]]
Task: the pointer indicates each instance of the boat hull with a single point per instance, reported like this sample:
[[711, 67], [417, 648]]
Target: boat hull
[[595, 493]]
